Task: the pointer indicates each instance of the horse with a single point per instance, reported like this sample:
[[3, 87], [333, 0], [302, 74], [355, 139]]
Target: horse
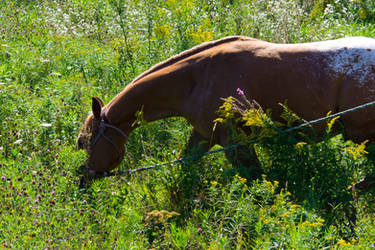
[[314, 78]]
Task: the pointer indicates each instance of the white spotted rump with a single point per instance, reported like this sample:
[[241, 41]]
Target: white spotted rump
[[353, 57]]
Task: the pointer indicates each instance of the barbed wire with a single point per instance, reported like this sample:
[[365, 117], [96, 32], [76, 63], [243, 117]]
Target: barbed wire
[[198, 156]]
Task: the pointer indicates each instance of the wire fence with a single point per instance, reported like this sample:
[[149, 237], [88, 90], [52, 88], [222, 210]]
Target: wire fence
[[198, 156]]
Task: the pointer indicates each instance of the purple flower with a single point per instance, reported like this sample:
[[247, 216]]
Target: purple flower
[[3, 177], [92, 171], [38, 196], [84, 201], [48, 151], [53, 192], [239, 91], [200, 230]]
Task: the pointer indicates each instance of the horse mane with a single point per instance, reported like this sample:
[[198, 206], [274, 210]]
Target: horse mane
[[188, 53]]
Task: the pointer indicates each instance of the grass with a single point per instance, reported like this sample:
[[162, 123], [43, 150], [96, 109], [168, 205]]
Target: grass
[[54, 56]]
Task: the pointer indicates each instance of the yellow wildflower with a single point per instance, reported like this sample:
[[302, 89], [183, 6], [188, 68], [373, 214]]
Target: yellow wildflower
[[270, 186], [213, 183], [316, 224], [319, 220], [220, 120], [241, 179], [299, 146], [268, 183], [253, 117], [162, 31], [201, 35], [331, 122], [285, 214], [342, 242], [305, 224], [358, 151]]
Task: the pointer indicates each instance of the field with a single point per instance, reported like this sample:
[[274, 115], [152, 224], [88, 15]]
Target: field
[[56, 55]]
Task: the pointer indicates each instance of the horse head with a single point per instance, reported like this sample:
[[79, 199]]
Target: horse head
[[103, 142]]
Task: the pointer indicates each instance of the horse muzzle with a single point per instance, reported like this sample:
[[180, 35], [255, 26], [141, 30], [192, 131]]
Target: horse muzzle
[[87, 175]]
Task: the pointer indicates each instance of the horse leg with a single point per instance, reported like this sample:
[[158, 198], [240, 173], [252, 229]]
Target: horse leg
[[197, 145], [189, 177], [244, 158]]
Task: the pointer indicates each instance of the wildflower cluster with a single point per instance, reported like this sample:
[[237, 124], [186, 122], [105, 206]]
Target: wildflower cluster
[[156, 224], [56, 55], [358, 151], [318, 223], [241, 179], [302, 164], [249, 115]]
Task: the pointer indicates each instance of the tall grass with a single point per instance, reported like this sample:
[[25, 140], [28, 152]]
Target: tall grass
[[56, 55]]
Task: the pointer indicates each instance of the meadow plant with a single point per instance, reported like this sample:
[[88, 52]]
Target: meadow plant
[[56, 55], [317, 172]]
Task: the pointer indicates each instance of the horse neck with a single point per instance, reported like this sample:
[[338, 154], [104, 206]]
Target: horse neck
[[159, 95]]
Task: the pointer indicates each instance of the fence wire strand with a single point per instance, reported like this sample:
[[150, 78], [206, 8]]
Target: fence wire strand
[[198, 156]]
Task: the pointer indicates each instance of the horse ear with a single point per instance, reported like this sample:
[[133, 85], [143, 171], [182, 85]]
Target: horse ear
[[97, 105]]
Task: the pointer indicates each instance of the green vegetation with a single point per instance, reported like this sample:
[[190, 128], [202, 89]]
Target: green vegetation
[[56, 55]]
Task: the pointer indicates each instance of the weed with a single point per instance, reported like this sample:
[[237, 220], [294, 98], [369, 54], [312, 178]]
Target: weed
[[56, 55]]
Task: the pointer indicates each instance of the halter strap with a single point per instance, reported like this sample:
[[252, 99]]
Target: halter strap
[[102, 127], [102, 123]]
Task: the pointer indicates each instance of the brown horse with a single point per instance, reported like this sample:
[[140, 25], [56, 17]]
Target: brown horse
[[314, 78]]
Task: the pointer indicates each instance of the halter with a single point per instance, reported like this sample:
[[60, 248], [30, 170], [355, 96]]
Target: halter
[[102, 127]]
